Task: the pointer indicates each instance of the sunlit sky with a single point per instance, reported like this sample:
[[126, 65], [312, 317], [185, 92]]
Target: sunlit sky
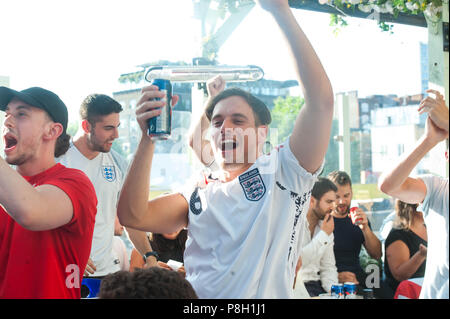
[[76, 48]]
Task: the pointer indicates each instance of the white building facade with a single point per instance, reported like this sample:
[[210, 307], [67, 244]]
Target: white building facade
[[395, 130]]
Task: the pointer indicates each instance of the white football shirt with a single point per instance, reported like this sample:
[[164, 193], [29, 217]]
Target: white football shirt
[[107, 173], [435, 209], [243, 235]]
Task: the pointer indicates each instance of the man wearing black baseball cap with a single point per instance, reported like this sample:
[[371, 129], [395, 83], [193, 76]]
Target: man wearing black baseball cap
[[47, 211], [46, 100]]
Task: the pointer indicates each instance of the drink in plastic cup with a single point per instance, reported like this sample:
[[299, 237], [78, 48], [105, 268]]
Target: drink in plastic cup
[[356, 221]]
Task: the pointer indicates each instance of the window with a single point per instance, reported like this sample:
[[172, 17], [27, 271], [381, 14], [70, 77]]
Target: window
[[364, 108]]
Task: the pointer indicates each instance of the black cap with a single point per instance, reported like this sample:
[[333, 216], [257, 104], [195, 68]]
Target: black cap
[[40, 98]]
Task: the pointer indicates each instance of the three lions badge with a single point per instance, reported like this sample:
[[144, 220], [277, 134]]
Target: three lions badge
[[109, 173], [253, 185]]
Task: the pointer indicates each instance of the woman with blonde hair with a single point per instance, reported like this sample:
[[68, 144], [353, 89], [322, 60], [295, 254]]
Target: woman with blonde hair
[[405, 246]]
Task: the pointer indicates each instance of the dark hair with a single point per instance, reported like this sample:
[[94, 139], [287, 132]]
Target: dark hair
[[62, 144], [169, 248], [260, 110], [404, 214], [96, 105], [151, 283], [321, 187], [340, 178]]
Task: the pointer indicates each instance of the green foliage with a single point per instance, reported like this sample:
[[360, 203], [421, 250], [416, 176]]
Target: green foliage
[[429, 8], [365, 260], [135, 77], [284, 113], [337, 22], [367, 191], [72, 128], [332, 155], [210, 48]]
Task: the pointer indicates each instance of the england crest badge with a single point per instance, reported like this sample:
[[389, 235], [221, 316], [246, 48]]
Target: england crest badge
[[109, 173], [253, 185]]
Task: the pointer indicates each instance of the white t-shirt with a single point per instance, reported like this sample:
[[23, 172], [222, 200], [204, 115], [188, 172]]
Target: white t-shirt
[[244, 235], [435, 209], [107, 173], [120, 251]]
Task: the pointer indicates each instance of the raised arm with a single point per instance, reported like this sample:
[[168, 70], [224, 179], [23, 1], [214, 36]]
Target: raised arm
[[197, 138], [436, 108], [38, 208], [397, 182], [311, 133], [165, 214]]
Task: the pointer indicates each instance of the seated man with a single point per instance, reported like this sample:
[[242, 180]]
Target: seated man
[[244, 234], [318, 271], [349, 238]]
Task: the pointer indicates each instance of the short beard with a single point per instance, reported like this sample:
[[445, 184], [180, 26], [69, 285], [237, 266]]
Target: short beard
[[318, 215], [347, 211], [95, 146]]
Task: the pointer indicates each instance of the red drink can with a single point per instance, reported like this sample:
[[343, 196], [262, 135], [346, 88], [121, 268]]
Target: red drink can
[[356, 221]]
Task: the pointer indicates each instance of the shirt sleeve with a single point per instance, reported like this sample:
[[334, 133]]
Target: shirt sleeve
[[81, 192], [394, 235], [437, 195], [328, 270], [196, 181], [289, 171], [316, 247]]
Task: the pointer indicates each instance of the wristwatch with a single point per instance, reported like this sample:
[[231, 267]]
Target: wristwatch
[[150, 253]]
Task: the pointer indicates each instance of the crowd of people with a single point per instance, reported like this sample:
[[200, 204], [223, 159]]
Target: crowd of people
[[255, 225]]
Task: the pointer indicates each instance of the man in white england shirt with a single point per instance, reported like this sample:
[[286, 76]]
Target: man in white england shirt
[[243, 227], [91, 152]]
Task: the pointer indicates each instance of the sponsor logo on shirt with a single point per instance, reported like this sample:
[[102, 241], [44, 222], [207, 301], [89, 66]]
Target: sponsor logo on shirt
[[300, 202], [109, 173], [253, 185], [281, 186], [195, 203]]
